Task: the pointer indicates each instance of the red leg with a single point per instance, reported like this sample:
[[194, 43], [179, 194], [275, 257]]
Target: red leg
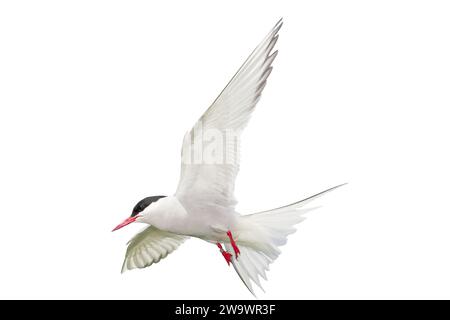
[[233, 244], [225, 254]]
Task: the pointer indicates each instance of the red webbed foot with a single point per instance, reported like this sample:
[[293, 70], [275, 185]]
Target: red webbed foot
[[225, 254]]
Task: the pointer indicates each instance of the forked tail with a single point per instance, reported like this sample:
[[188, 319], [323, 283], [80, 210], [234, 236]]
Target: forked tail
[[261, 236]]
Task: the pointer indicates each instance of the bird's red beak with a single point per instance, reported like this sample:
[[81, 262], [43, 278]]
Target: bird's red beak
[[126, 222]]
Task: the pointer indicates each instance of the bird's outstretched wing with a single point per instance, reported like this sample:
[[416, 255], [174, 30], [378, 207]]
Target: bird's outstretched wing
[[150, 246], [210, 153]]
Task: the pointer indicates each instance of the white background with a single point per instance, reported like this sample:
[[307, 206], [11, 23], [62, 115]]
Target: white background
[[95, 97]]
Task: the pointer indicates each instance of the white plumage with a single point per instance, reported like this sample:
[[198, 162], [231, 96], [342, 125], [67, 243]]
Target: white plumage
[[150, 246], [204, 203]]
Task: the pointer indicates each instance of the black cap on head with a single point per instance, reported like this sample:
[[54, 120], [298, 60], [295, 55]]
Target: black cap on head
[[144, 203]]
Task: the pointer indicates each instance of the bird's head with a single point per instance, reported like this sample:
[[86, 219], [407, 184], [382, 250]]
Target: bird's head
[[139, 211]]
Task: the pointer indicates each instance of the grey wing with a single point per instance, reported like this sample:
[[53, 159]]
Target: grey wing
[[212, 184], [150, 246]]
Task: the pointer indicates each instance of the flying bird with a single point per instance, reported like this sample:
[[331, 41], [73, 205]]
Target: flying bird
[[203, 205]]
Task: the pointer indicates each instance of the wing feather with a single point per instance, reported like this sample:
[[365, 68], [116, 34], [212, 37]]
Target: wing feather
[[210, 185], [150, 246]]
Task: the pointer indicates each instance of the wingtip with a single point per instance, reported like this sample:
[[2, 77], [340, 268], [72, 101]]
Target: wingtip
[[278, 25], [124, 267]]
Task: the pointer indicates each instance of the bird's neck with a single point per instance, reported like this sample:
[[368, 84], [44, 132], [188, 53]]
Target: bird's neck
[[168, 215]]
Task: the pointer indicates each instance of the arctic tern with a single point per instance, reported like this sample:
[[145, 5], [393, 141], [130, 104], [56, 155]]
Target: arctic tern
[[203, 205]]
